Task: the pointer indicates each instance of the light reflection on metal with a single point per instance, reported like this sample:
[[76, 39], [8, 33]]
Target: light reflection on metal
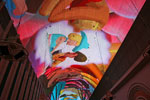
[[147, 51]]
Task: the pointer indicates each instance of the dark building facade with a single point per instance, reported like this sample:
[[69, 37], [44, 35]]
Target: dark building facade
[[127, 77], [17, 78]]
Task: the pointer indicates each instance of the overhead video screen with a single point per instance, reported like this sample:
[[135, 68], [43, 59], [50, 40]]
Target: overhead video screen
[[72, 42]]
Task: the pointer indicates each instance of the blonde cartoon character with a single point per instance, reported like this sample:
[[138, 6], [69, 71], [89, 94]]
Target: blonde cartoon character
[[78, 41], [74, 39], [46, 45]]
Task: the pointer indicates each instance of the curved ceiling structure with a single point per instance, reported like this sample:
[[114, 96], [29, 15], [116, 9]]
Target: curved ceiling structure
[[72, 42]]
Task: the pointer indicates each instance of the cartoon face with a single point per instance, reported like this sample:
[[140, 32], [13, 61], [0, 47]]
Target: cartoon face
[[71, 42], [74, 39], [60, 40]]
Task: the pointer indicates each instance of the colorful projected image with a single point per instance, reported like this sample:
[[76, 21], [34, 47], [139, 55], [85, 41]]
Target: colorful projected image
[[72, 42], [63, 48]]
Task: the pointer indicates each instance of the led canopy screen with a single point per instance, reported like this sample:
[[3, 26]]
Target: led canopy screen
[[72, 42]]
